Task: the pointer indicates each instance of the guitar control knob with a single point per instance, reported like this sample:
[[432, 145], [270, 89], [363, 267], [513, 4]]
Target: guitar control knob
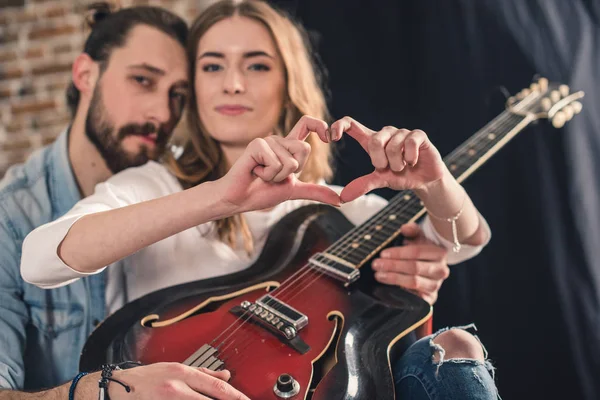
[[577, 107], [286, 386]]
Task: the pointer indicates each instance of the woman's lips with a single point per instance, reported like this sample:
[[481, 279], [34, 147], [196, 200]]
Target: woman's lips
[[232, 109]]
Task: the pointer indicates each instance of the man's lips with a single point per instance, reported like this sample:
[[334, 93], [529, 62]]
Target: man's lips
[[232, 109], [150, 138]]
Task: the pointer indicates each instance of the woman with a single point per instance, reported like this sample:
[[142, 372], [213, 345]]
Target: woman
[[253, 78]]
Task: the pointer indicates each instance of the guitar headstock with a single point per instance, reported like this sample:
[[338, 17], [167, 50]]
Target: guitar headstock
[[545, 99]]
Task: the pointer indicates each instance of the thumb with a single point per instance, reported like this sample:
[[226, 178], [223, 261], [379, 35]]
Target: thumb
[[360, 186], [312, 191]]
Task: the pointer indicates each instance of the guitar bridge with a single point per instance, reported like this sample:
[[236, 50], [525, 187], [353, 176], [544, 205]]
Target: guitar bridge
[[277, 317]]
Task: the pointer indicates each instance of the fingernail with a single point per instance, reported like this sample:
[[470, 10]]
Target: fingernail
[[380, 275], [385, 254], [376, 264]]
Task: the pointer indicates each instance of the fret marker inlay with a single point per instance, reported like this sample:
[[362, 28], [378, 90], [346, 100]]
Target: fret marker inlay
[[367, 237], [492, 136], [392, 217]]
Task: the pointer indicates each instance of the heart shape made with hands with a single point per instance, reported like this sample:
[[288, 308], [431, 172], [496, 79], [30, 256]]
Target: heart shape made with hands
[[403, 159]]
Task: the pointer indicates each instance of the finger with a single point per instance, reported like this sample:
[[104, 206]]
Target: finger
[[394, 150], [266, 164], [377, 145], [361, 186], [355, 129], [312, 191], [425, 252], [412, 143], [435, 270], [223, 374], [306, 125], [413, 282], [298, 149], [412, 230], [288, 162], [212, 387]]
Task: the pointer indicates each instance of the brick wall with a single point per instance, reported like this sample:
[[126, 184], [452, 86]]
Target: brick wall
[[39, 39]]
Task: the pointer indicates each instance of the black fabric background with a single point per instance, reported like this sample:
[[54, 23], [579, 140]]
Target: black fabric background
[[437, 66]]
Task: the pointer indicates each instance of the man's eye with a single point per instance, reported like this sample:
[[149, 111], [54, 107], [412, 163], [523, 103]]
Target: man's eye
[[182, 97], [142, 80], [211, 68]]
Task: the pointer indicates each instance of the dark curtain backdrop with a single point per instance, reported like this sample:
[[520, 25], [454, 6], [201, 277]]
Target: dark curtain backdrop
[[438, 66]]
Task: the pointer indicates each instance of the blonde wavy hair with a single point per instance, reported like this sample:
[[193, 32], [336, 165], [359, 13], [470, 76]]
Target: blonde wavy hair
[[202, 158]]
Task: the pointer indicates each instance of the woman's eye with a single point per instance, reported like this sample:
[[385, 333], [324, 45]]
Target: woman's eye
[[211, 68], [259, 67]]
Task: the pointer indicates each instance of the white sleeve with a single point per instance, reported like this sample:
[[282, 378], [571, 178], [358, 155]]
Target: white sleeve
[[40, 263], [466, 251], [364, 207]]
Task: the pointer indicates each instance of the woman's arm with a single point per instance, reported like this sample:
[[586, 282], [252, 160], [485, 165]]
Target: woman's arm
[[84, 242], [406, 159]]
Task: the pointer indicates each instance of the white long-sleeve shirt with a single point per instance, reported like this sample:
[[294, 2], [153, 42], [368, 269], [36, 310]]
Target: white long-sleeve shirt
[[191, 255]]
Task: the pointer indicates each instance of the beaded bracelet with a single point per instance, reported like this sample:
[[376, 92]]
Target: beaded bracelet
[[74, 384], [106, 377]]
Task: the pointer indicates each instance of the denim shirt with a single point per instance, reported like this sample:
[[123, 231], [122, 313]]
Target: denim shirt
[[42, 332]]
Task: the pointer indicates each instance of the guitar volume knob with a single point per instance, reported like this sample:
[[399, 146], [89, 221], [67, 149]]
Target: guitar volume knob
[[286, 386]]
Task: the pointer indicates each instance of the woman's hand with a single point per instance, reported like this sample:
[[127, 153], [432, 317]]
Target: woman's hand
[[402, 159], [264, 175]]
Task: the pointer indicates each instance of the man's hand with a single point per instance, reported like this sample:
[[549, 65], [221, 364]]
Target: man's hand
[[419, 266], [173, 381]]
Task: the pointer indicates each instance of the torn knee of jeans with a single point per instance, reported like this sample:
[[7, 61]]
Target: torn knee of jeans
[[458, 348]]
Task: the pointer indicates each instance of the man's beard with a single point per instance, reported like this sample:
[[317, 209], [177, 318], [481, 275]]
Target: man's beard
[[100, 131]]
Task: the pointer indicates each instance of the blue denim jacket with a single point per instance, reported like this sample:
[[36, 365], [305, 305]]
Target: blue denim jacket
[[42, 331]]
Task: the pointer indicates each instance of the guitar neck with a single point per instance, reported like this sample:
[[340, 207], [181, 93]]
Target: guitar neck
[[364, 241]]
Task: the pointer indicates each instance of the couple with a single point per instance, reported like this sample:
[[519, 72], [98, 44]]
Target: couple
[[249, 149]]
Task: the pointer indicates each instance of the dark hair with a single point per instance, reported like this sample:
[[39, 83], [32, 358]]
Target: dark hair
[[109, 30]]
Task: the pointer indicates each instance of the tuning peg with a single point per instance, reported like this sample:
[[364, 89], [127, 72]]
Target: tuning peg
[[569, 112], [543, 82], [555, 96], [577, 107], [564, 90], [546, 104], [559, 120]]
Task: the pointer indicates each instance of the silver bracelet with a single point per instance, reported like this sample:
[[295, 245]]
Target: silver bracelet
[[456, 247]]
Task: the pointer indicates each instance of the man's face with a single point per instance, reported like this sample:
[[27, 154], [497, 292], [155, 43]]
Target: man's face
[[139, 99]]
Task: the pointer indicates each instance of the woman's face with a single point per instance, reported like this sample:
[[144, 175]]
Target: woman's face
[[240, 81]]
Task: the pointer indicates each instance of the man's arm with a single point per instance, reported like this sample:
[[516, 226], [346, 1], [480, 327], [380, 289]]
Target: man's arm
[[61, 392], [149, 382], [13, 311]]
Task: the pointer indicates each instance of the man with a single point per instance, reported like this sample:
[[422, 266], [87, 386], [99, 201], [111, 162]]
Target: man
[[128, 92]]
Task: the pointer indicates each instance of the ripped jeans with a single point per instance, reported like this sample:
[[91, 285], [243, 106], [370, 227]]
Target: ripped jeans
[[417, 376]]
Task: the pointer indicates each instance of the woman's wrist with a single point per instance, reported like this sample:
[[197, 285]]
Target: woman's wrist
[[444, 197]]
